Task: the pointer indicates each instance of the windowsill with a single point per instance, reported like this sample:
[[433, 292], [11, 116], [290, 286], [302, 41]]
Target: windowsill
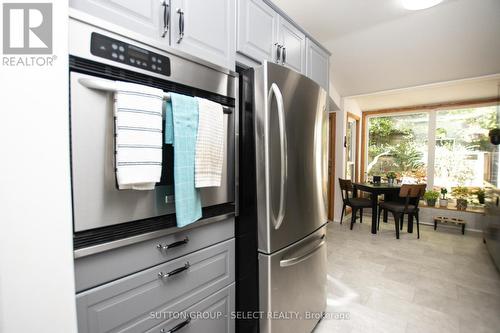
[[452, 206]]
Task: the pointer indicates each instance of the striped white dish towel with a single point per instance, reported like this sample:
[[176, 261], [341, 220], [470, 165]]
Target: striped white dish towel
[[209, 144], [139, 139]]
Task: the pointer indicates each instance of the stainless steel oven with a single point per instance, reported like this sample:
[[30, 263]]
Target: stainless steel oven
[[99, 57]]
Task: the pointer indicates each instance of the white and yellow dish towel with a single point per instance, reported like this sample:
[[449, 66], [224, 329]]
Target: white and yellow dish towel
[[209, 144], [139, 139]]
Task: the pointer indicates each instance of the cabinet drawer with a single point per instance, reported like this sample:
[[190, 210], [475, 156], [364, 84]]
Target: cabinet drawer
[[211, 315], [97, 269], [126, 305]]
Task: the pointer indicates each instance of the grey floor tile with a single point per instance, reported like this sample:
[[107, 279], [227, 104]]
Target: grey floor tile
[[443, 282]]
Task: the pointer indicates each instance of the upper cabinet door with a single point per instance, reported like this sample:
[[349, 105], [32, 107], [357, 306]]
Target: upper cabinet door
[[293, 41], [205, 29], [142, 17], [257, 30], [318, 61]]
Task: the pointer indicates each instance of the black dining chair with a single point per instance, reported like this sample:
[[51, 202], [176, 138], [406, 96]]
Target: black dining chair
[[411, 195], [349, 198]]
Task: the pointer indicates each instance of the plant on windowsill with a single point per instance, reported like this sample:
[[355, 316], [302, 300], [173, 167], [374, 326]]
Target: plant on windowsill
[[461, 193], [481, 195], [391, 175], [431, 197], [443, 202]]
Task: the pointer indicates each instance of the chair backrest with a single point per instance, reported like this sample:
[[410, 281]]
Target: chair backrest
[[412, 191], [345, 188]]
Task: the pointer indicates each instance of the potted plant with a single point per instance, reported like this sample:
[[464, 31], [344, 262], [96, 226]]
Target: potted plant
[[443, 202], [481, 195], [461, 193], [431, 197], [391, 175]]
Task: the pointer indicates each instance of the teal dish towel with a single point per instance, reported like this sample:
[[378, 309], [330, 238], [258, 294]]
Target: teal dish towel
[[169, 124], [184, 120]]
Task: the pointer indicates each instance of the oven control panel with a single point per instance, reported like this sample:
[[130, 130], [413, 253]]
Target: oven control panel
[[113, 49]]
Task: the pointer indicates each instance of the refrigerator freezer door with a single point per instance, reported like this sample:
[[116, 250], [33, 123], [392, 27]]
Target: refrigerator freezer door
[[291, 128], [293, 284]]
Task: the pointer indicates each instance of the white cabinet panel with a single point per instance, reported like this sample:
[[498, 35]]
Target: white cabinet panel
[[257, 30], [142, 17], [294, 46], [317, 61], [205, 29]]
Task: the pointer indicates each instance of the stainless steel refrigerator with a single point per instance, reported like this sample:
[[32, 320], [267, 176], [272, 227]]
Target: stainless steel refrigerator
[[281, 233]]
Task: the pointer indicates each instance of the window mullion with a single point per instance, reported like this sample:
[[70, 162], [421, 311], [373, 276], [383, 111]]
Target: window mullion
[[431, 148]]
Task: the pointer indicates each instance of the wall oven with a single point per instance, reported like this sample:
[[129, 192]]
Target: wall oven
[[98, 57]]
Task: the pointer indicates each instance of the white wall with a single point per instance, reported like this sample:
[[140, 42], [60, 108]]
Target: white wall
[[347, 105], [36, 251]]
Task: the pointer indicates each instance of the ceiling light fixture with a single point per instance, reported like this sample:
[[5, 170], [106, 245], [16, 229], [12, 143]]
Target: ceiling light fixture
[[420, 4]]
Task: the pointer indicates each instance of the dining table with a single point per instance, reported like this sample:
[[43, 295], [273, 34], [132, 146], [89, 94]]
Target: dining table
[[390, 193]]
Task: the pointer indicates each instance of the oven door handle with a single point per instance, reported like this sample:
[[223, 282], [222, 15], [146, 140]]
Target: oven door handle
[[110, 86], [98, 84]]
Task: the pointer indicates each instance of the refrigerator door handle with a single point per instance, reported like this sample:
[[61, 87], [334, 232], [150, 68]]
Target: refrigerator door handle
[[295, 260], [276, 92]]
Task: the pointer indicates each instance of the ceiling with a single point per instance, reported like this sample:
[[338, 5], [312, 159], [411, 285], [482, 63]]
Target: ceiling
[[331, 19], [469, 89], [378, 46]]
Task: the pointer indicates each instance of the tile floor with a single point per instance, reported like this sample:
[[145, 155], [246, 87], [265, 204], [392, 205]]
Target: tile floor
[[444, 282]]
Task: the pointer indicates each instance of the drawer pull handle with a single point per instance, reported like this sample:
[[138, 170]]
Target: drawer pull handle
[[162, 275], [172, 245], [176, 328]]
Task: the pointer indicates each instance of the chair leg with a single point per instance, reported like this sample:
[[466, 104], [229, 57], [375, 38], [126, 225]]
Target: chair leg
[[397, 218], [361, 215], [402, 221], [378, 219], [353, 217], [418, 226], [342, 215]]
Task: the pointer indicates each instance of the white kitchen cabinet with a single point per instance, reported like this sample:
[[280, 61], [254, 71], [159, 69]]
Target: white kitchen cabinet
[[263, 34], [142, 17], [205, 29], [257, 30], [293, 44], [317, 64]]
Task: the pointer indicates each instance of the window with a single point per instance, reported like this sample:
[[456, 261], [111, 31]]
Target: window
[[398, 143], [444, 148], [351, 145], [464, 155]]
